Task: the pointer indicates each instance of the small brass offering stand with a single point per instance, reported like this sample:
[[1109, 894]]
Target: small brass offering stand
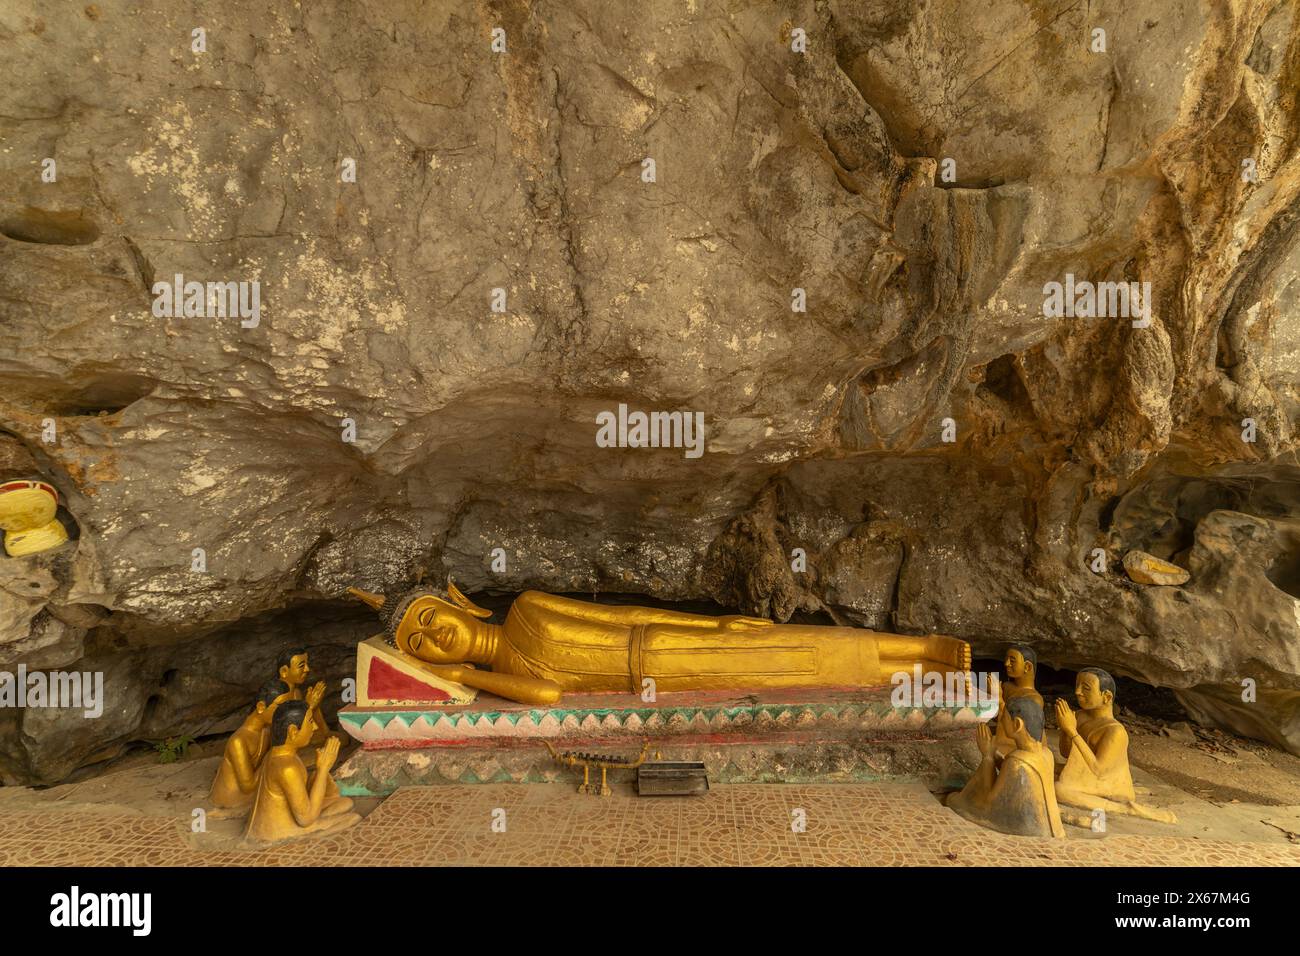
[[588, 761]]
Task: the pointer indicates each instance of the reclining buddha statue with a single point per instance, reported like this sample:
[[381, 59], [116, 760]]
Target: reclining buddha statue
[[549, 646]]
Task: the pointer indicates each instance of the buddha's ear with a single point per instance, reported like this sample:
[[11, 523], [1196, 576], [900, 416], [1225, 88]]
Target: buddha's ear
[[464, 603]]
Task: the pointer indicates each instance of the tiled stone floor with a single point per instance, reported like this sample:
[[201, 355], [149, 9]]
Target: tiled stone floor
[[869, 824]]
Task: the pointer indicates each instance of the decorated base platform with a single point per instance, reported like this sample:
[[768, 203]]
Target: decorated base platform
[[850, 735]]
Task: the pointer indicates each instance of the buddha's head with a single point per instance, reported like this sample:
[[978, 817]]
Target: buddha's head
[[292, 666], [1094, 688], [428, 626], [1021, 661], [1021, 720], [292, 725]]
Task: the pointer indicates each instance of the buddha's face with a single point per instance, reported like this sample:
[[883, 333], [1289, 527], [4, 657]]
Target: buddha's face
[[436, 631], [295, 672], [1014, 664], [1088, 692]]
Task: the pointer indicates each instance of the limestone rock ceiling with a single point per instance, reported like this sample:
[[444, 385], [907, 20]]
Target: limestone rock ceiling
[[524, 171]]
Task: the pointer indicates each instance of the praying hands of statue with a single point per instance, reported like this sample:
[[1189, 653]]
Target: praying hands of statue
[[308, 800], [1069, 738], [986, 773], [327, 756], [1111, 748], [1066, 720], [315, 695]]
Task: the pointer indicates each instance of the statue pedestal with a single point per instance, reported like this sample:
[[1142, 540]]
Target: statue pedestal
[[802, 736]]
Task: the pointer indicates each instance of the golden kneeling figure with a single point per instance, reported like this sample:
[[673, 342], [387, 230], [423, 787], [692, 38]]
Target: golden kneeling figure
[[292, 667], [237, 775], [550, 646], [1013, 794], [287, 804], [1021, 665], [1094, 744]]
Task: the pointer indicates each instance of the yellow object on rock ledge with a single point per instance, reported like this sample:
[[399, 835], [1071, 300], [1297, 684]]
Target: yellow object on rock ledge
[[1148, 569], [27, 517]]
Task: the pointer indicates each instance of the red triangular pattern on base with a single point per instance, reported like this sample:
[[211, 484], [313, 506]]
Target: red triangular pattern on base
[[387, 682]]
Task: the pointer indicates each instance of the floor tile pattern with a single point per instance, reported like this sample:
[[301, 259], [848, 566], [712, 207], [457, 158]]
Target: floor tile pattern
[[884, 824]]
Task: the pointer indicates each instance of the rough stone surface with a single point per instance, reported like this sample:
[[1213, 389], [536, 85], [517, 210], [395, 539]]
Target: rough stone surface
[[774, 171]]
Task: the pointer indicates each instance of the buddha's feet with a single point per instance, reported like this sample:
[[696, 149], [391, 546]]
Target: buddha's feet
[[950, 653]]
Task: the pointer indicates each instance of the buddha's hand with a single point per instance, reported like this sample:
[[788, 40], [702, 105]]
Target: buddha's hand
[[739, 622], [316, 695], [1065, 719], [984, 737], [326, 756], [452, 672]]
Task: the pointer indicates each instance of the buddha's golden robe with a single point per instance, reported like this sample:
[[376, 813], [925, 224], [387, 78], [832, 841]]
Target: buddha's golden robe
[[598, 647]]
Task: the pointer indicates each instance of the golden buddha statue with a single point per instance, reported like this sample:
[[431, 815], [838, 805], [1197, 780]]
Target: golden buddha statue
[[237, 775], [550, 645], [1094, 744], [27, 517], [293, 667], [1013, 794], [286, 803], [1021, 665]]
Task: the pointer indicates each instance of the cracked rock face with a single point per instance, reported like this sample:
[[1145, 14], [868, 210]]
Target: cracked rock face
[[1168, 158]]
